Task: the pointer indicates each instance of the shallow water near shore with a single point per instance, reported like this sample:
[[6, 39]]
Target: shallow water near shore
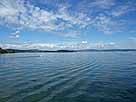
[[68, 77]]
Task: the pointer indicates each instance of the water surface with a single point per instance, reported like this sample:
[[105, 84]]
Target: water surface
[[68, 77]]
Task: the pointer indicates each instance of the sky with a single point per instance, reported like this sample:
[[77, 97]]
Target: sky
[[67, 24]]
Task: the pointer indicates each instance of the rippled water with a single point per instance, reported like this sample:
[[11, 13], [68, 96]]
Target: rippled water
[[68, 77]]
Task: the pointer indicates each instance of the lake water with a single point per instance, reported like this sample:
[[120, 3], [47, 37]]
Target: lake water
[[68, 77]]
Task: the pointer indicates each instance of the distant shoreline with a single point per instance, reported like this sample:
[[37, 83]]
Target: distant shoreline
[[4, 51]]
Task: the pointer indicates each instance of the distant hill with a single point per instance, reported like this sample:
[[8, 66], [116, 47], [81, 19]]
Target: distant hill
[[2, 51], [35, 50], [105, 50]]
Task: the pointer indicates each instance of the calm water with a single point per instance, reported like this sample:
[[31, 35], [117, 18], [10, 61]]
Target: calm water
[[68, 77]]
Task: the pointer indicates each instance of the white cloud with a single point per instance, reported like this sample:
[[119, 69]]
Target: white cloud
[[84, 42], [130, 44], [107, 16], [121, 10], [103, 4], [98, 14], [133, 38], [68, 46], [41, 46], [15, 35], [17, 14]]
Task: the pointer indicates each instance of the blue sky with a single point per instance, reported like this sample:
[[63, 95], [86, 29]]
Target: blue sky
[[67, 24]]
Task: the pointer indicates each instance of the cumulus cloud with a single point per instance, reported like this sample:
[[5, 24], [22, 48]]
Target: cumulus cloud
[[26, 16], [64, 46], [123, 9], [15, 35], [84, 42], [63, 19], [130, 44], [107, 16]]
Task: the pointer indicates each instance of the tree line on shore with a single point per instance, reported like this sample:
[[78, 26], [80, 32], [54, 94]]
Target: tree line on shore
[[3, 51]]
